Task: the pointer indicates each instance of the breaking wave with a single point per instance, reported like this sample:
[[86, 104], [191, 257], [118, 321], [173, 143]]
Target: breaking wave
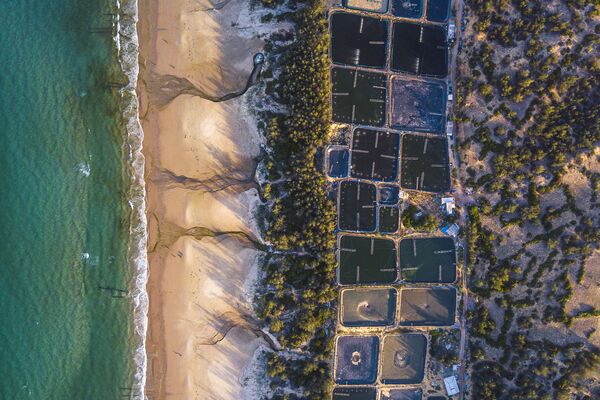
[[126, 41]]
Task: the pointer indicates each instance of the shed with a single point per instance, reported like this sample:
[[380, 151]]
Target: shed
[[449, 125], [451, 385], [448, 205], [451, 30], [451, 230]]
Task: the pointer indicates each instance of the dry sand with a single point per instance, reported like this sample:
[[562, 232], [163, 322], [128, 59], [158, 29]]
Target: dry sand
[[199, 169]]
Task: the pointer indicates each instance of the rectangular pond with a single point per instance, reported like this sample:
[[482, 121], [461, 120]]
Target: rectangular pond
[[424, 163], [407, 8], [354, 393], [357, 206], [433, 306], [438, 10], [365, 260], [356, 359], [358, 97], [389, 218], [389, 194], [418, 105], [358, 40], [378, 6], [338, 162], [428, 260], [402, 394], [368, 307], [374, 155], [403, 358], [419, 49]]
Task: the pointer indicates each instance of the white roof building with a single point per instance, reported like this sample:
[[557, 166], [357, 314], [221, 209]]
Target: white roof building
[[449, 128], [451, 385], [448, 204], [451, 230], [451, 30]]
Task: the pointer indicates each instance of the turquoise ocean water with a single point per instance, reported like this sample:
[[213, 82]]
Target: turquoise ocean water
[[70, 221]]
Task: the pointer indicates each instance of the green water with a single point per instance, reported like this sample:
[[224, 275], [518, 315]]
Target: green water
[[61, 337]]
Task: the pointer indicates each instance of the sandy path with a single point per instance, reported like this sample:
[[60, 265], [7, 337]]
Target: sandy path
[[199, 158]]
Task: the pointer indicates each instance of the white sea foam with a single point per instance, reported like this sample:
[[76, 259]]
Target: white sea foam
[[117, 27], [126, 40], [84, 168]]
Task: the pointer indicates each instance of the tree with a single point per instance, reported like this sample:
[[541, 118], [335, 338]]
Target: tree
[[413, 218], [486, 90]]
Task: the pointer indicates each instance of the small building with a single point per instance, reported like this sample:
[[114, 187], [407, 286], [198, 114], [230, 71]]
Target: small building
[[451, 230], [451, 30], [448, 205], [451, 385], [449, 129]]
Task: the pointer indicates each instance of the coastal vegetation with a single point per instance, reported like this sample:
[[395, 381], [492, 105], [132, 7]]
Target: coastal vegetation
[[299, 304], [443, 346], [528, 109], [413, 218]]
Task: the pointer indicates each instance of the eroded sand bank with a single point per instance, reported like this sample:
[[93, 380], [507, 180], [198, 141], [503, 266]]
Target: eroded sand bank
[[200, 161]]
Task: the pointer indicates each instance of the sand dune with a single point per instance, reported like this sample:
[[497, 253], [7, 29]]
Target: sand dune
[[200, 159]]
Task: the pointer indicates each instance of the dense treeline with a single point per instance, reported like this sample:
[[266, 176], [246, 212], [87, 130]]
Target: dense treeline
[[300, 273]]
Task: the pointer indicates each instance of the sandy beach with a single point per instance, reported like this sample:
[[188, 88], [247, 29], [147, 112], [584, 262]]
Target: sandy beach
[[200, 162]]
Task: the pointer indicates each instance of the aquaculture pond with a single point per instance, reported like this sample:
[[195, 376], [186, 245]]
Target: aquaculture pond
[[418, 105], [374, 155], [389, 218], [428, 260], [389, 194], [365, 260], [424, 163], [357, 206], [354, 393], [356, 359], [358, 97], [402, 394], [403, 358], [433, 306], [378, 6], [358, 40], [438, 10], [419, 49], [368, 307], [407, 8], [337, 163]]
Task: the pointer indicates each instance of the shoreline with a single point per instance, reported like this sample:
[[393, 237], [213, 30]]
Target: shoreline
[[125, 37], [201, 326]]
